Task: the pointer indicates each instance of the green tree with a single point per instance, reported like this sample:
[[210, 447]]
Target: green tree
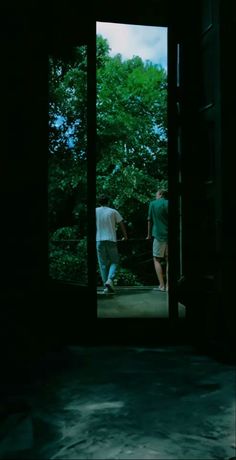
[[67, 166], [67, 163], [131, 149], [131, 132]]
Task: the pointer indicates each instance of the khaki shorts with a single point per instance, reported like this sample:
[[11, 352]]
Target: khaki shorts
[[160, 249]]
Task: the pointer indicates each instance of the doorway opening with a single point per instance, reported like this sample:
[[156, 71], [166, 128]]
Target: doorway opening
[[132, 149], [132, 161]]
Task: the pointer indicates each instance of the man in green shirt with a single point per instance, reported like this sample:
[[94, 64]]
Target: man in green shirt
[[158, 230]]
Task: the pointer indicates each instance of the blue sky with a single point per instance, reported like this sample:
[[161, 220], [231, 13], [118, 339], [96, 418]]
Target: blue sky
[[147, 42]]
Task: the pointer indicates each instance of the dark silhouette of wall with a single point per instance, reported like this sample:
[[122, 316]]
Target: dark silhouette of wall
[[37, 314]]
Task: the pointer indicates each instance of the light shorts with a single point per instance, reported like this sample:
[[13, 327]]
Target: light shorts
[[160, 249]]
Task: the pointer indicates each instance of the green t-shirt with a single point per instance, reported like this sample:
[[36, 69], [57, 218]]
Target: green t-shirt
[[158, 215]]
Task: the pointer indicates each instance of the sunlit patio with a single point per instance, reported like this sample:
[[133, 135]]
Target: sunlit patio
[[134, 301]]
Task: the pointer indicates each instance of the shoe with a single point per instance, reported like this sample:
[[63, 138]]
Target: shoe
[[110, 286], [106, 291], [159, 288]]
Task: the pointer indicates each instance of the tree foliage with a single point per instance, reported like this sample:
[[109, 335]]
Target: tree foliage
[[131, 145], [131, 132], [67, 162]]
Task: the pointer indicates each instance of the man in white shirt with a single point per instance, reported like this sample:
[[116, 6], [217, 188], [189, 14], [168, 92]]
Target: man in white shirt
[[107, 220]]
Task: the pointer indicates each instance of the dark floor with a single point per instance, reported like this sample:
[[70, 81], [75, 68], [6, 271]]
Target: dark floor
[[121, 403]]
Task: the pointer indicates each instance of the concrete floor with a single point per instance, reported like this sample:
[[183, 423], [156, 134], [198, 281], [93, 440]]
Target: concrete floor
[[131, 302], [122, 403]]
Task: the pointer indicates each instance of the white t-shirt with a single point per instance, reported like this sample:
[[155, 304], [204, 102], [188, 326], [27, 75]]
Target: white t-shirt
[[106, 220]]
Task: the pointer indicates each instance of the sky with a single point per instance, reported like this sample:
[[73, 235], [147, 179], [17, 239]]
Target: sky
[[147, 42]]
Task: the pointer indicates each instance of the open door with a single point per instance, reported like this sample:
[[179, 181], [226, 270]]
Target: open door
[[200, 165]]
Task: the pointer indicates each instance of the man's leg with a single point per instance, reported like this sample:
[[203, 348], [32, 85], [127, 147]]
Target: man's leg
[[167, 284], [114, 260], [102, 260], [167, 267], [159, 272], [158, 251], [112, 271]]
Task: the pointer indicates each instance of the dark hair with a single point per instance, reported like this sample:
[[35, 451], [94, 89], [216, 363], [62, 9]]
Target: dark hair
[[103, 200], [163, 193]]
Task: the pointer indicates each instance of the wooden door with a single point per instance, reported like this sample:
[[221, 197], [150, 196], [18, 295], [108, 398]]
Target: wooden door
[[200, 166]]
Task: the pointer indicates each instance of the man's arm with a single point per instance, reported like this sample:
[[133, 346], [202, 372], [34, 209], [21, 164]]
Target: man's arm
[[123, 229], [149, 230], [149, 222]]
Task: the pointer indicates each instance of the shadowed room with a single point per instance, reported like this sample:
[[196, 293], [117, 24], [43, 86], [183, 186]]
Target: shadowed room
[[142, 372]]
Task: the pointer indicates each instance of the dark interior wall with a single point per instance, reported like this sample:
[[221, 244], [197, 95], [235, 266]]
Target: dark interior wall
[[208, 189], [228, 78], [36, 314], [23, 176], [200, 112]]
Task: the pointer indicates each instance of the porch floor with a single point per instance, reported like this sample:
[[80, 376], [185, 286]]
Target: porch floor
[[135, 301]]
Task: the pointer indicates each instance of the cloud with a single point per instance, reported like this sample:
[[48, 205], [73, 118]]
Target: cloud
[[148, 42]]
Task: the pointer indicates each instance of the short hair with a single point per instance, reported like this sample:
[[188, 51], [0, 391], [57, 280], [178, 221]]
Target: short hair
[[103, 200], [163, 192]]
